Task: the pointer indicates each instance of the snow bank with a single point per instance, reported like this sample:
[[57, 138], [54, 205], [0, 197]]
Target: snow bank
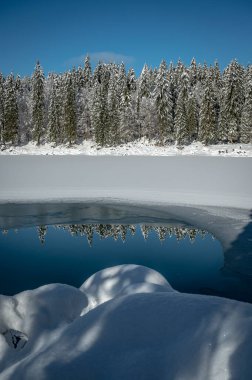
[[148, 335], [211, 181], [121, 280], [141, 147]]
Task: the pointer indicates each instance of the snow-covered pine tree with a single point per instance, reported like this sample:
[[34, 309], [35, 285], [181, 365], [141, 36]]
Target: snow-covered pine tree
[[99, 107], [208, 119], [1, 107], [127, 107], [181, 117], [126, 87], [178, 74], [131, 80], [10, 119], [232, 100], [144, 84], [217, 77], [113, 121], [192, 117], [38, 103], [54, 112], [246, 117], [23, 111], [193, 74], [98, 73], [145, 105], [87, 72], [164, 105], [70, 122]]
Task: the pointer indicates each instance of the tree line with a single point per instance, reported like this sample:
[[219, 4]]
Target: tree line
[[172, 104]]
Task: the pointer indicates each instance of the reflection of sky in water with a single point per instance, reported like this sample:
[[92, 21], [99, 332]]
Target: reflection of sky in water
[[189, 267]]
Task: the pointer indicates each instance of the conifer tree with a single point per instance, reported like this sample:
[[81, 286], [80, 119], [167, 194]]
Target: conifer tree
[[38, 103], [193, 73], [144, 84], [99, 113], [113, 121], [131, 80], [181, 118], [192, 117], [10, 119], [24, 97], [1, 107], [208, 121], [143, 103], [70, 122], [246, 117], [54, 113], [127, 108], [164, 105], [231, 103], [87, 73]]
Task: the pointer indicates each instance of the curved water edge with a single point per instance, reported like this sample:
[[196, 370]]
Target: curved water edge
[[231, 226]]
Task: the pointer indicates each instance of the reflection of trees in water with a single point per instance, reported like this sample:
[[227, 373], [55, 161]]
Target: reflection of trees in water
[[121, 231], [42, 233]]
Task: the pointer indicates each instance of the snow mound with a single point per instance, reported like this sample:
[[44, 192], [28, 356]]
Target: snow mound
[[139, 329], [123, 279]]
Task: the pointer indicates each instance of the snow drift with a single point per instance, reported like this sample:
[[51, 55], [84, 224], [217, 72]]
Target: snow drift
[[124, 323]]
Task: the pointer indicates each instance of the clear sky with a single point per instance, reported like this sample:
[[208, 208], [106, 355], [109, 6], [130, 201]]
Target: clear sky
[[60, 33]]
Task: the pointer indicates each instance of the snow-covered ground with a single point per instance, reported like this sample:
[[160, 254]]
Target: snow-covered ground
[[124, 322], [190, 180], [138, 148]]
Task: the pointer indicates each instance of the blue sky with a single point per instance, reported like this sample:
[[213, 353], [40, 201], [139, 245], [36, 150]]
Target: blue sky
[[61, 33]]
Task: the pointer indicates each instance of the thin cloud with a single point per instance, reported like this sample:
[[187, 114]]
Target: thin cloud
[[103, 56]]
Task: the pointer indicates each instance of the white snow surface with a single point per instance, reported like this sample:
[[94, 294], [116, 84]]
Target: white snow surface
[[140, 147], [156, 333], [187, 180]]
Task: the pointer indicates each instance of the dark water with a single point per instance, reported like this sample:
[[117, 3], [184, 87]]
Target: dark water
[[190, 258]]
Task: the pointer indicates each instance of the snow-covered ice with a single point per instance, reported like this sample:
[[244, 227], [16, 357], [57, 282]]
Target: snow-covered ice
[[190, 180], [140, 147], [156, 333]]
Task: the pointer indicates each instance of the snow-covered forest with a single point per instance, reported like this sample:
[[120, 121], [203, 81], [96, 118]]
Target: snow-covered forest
[[171, 104]]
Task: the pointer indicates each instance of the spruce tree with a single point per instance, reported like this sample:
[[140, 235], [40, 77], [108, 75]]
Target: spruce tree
[[181, 118], [38, 103], [192, 117], [232, 100], [87, 72], [10, 117], [193, 74], [208, 120], [246, 117], [164, 105], [1, 107], [143, 103], [128, 108], [54, 113], [100, 114], [70, 122], [144, 84], [131, 80], [113, 120]]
